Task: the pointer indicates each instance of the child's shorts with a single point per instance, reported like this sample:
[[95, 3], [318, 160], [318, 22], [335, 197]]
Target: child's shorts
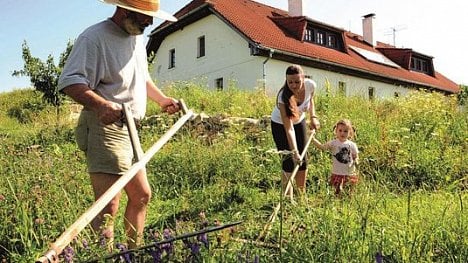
[[340, 180]]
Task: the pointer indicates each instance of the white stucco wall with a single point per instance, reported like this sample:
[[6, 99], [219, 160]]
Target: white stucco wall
[[354, 86], [227, 56]]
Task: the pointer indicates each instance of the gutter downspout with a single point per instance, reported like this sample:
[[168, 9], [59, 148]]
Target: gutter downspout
[[270, 55]]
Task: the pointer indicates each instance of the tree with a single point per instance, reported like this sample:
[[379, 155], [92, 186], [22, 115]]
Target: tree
[[44, 75], [463, 95]]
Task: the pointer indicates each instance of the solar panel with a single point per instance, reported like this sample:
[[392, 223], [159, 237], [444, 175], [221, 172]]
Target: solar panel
[[374, 56]]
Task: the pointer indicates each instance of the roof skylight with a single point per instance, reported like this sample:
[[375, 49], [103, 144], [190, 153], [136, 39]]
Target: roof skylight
[[374, 56]]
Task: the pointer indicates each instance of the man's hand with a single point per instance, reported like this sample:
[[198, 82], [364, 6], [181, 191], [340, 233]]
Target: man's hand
[[109, 112], [170, 105]]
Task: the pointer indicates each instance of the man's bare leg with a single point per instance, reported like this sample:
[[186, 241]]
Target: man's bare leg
[[139, 194], [101, 183]]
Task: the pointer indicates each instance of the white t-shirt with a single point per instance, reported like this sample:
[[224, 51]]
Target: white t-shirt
[[342, 152], [112, 63], [303, 107]]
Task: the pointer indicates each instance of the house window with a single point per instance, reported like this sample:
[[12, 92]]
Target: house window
[[424, 66], [342, 88], [331, 41], [219, 83], [201, 47], [371, 93], [420, 64], [172, 58], [308, 35], [319, 37]]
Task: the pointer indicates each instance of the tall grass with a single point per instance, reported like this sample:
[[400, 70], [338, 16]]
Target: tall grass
[[409, 206]]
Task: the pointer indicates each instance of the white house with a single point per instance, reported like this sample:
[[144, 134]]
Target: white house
[[219, 43]]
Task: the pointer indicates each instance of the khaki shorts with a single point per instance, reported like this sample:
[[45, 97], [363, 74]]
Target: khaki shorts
[[107, 147]]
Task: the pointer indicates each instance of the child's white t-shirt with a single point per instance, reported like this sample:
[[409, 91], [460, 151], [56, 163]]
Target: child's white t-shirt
[[342, 156]]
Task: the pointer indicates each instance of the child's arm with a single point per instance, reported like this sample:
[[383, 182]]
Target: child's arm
[[355, 155], [356, 159], [316, 142]]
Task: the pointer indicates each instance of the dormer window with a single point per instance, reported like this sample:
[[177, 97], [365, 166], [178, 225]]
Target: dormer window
[[420, 64], [322, 37]]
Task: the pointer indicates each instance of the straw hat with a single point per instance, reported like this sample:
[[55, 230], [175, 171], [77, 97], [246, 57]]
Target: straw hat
[[147, 7]]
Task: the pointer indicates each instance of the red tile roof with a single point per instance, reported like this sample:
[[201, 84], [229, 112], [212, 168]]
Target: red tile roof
[[264, 26]]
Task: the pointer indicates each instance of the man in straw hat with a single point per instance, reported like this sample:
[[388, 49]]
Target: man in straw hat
[[107, 67]]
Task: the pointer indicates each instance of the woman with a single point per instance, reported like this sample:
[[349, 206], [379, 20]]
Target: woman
[[288, 122]]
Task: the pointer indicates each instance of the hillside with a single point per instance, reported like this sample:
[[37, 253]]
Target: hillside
[[409, 206]]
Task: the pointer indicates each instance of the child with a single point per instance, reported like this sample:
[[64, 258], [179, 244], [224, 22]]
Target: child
[[344, 154]]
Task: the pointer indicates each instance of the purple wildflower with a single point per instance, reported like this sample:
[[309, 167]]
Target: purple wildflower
[[378, 257], [156, 254], [127, 256], [68, 254], [167, 233], [102, 240], [204, 239], [168, 247], [194, 249], [85, 244], [204, 224]]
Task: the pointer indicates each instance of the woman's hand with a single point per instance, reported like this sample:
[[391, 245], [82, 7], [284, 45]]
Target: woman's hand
[[296, 157], [312, 133], [314, 123]]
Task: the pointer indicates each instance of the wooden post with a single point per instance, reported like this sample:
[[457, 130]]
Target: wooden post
[[67, 236]]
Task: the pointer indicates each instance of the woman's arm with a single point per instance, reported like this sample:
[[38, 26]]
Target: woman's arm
[[289, 129], [314, 122]]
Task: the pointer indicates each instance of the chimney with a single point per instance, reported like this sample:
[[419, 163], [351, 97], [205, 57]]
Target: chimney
[[368, 29], [296, 7]]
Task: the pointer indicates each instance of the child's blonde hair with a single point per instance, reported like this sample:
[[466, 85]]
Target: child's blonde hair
[[347, 123]]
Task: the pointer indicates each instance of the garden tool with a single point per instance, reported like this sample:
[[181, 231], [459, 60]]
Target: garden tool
[[52, 255], [272, 217], [132, 131]]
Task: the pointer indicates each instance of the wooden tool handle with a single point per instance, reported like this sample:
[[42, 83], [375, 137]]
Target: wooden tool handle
[[67, 236]]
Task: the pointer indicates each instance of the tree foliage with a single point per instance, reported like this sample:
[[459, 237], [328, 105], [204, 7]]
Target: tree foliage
[[463, 95], [44, 75]]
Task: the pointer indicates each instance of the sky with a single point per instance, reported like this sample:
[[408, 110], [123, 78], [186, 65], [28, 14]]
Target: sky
[[433, 28]]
